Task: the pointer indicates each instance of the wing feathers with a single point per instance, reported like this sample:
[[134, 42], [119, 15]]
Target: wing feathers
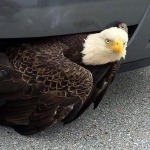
[[51, 87], [103, 76]]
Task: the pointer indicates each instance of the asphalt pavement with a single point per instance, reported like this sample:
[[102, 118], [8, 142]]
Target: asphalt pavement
[[121, 122]]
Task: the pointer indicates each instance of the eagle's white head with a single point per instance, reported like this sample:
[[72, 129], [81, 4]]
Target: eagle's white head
[[104, 47]]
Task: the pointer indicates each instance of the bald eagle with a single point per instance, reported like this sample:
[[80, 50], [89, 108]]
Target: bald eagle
[[46, 81]]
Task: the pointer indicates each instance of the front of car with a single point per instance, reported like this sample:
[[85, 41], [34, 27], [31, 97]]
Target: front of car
[[43, 18]]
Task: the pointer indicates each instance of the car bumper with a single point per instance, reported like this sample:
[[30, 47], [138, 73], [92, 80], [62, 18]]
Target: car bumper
[[41, 18]]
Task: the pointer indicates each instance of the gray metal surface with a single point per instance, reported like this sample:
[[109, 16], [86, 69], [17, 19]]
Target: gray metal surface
[[139, 44], [121, 122], [36, 18]]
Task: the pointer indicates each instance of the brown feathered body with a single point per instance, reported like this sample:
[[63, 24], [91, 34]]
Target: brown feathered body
[[44, 81]]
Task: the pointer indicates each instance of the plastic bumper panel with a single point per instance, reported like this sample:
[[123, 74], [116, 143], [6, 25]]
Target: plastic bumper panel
[[37, 18]]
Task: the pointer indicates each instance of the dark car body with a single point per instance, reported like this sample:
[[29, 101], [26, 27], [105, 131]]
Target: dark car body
[[41, 18]]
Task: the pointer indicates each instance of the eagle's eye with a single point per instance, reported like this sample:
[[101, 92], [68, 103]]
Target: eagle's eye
[[124, 43], [107, 41]]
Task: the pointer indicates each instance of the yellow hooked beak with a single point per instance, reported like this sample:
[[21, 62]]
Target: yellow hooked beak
[[117, 46]]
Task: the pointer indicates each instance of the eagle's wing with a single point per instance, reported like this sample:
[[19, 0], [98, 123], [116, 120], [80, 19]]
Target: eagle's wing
[[45, 87], [102, 78]]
